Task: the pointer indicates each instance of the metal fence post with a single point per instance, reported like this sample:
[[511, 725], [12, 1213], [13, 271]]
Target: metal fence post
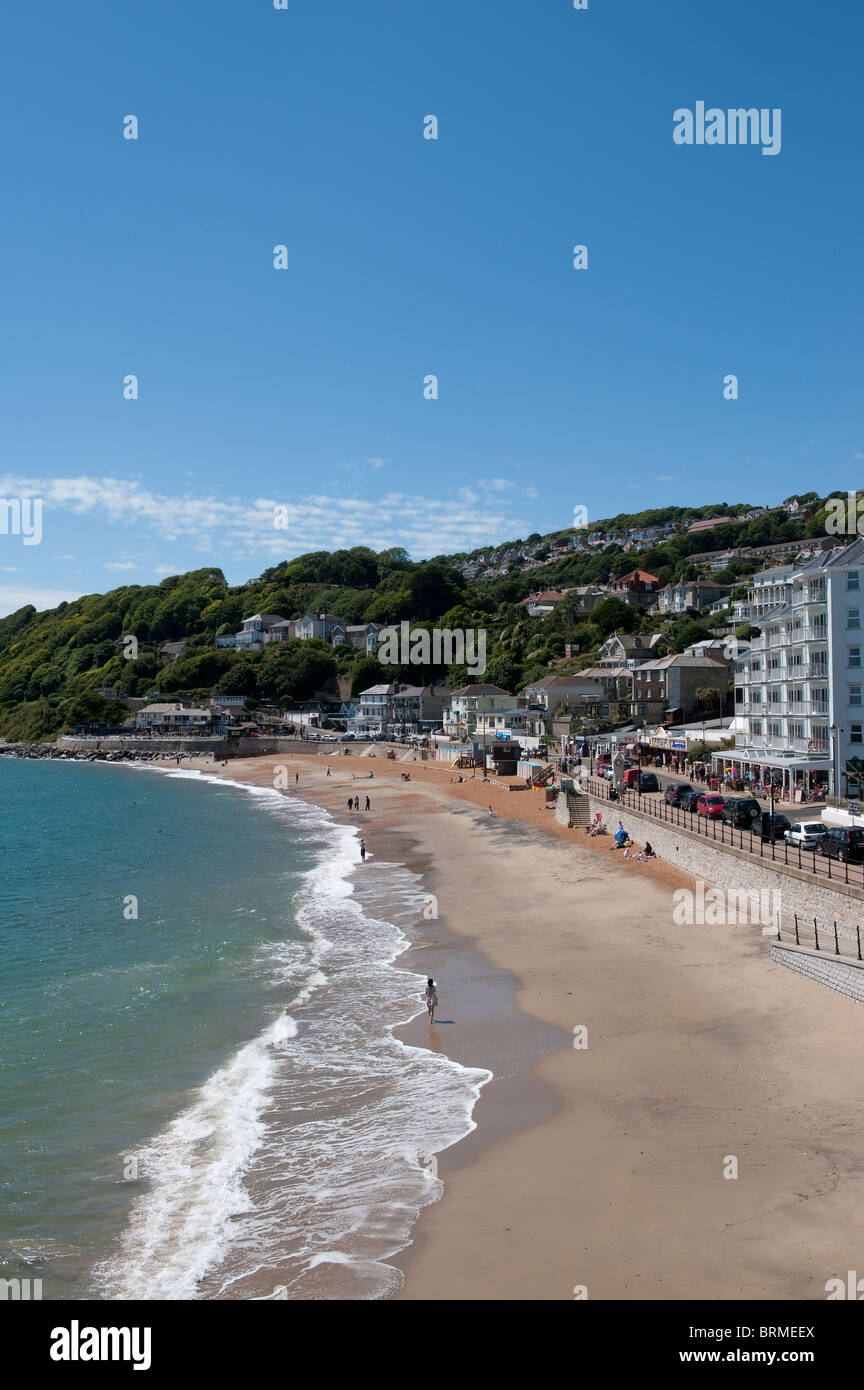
[[797, 937], [836, 942], [816, 932]]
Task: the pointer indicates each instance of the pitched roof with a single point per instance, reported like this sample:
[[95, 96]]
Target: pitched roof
[[480, 690]]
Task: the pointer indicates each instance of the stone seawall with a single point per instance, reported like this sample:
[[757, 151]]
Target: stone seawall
[[725, 866], [835, 972]]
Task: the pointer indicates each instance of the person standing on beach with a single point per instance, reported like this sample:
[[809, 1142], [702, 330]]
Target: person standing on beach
[[328, 769], [350, 803], [368, 804], [362, 849], [431, 999]]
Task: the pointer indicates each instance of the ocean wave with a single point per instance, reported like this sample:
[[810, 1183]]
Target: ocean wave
[[300, 1167]]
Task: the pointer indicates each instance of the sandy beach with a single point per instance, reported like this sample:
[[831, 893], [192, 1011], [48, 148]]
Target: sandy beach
[[599, 1170]]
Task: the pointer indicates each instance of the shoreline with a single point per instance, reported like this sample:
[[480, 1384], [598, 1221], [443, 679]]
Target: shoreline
[[603, 1168], [699, 1050]]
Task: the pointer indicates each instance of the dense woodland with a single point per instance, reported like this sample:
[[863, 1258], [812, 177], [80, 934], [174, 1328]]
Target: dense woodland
[[52, 662]]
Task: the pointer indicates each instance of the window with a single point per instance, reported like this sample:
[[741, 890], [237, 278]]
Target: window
[[855, 733], [854, 656], [854, 694], [852, 580], [853, 618]]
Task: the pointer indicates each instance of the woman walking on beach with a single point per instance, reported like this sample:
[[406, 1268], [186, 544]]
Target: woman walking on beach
[[431, 999]]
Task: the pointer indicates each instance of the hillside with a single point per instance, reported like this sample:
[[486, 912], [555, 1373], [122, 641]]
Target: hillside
[[52, 663]]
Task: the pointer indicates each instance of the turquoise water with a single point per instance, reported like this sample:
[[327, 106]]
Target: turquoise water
[[193, 1095]]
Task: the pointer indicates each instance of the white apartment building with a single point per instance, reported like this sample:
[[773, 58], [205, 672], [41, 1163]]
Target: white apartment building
[[798, 690], [769, 589]]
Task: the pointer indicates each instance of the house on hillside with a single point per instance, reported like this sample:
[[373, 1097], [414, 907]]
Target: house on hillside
[[281, 632], [627, 649], [541, 604], [251, 636], [695, 593], [636, 587], [325, 626], [171, 650], [364, 636], [708, 523]]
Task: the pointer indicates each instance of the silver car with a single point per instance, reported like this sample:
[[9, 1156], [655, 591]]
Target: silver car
[[806, 833]]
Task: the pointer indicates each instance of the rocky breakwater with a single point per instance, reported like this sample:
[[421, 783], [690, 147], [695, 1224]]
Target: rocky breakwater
[[77, 755]]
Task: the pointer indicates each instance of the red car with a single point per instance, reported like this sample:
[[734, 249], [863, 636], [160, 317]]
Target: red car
[[710, 805]]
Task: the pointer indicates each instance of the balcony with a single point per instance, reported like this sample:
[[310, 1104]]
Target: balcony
[[815, 747], [803, 709]]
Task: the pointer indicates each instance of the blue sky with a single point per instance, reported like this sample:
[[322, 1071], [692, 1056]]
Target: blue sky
[[409, 257]]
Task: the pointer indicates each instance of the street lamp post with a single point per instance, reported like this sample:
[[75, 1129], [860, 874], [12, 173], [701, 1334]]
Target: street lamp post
[[835, 757]]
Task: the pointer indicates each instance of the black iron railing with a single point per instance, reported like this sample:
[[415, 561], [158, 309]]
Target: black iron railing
[[738, 837]]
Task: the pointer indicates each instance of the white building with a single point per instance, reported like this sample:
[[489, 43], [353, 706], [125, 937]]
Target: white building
[[174, 717], [459, 716], [799, 688], [253, 633]]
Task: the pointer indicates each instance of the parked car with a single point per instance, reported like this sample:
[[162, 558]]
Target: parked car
[[710, 804], [648, 782], [347, 738], [806, 833], [688, 801], [674, 791], [770, 827], [842, 844], [741, 810]]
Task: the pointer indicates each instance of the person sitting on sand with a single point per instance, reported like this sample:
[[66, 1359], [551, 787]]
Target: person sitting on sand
[[622, 839], [646, 853]]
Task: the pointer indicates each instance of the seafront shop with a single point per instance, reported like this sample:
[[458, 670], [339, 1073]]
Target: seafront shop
[[793, 779], [660, 751]]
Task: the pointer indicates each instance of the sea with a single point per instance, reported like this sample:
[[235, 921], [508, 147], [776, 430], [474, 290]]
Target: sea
[[201, 1093]]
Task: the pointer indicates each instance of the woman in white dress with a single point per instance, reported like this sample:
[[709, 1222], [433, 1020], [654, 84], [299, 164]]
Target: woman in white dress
[[431, 999]]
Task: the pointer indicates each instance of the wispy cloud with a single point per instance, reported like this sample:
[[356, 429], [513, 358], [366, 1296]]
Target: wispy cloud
[[666, 478], [424, 525], [122, 565], [12, 598]]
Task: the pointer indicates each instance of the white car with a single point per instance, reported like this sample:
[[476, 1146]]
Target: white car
[[806, 833]]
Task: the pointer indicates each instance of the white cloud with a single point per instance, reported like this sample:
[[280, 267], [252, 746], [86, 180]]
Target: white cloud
[[65, 557], [425, 526], [11, 598], [858, 456], [666, 478], [122, 565], [9, 569]]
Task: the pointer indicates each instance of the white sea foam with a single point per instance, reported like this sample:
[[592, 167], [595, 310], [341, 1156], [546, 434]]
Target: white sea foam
[[307, 1154]]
